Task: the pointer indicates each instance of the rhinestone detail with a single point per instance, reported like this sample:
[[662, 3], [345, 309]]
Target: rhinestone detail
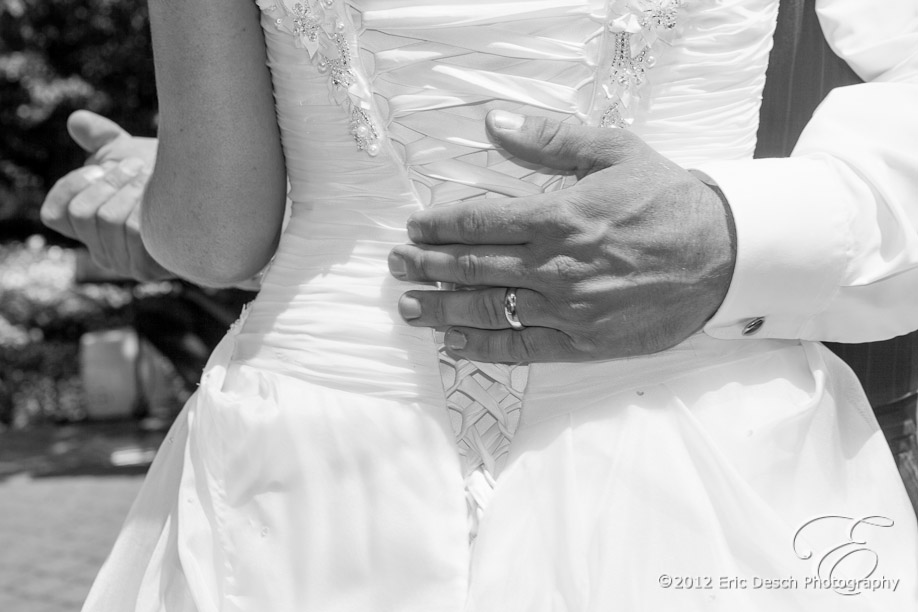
[[319, 28], [364, 131], [306, 22], [635, 28]]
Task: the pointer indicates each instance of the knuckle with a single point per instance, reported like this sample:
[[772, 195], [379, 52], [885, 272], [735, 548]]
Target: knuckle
[[471, 225], [81, 207], [114, 178], [584, 207], [419, 265], [121, 175], [49, 215], [487, 311], [528, 346], [609, 148], [565, 268], [548, 133], [561, 277], [555, 221], [566, 220], [109, 215], [466, 268], [578, 312], [437, 308], [515, 346], [522, 346], [139, 182], [620, 141]]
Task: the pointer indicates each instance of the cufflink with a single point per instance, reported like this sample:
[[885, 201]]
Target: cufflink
[[753, 326]]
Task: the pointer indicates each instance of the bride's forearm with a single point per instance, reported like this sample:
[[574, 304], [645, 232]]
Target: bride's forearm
[[213, 208]]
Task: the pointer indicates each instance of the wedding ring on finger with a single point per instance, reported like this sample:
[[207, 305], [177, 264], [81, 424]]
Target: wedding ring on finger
[[510, 310]]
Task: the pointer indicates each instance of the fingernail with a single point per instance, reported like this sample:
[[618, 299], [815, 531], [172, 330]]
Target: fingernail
[[414, 230], [455, 340], [131, 166], [397, 266], [507, 121], [93, 173], [409, 308]]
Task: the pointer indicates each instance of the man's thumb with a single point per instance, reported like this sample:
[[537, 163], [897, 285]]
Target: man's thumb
[[92, 131], [559, 146]]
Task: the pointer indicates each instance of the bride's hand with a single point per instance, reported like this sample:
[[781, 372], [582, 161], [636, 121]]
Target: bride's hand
[[632, 260], [99, 204]]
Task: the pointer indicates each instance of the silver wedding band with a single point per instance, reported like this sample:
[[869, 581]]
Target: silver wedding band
[[510, 310]]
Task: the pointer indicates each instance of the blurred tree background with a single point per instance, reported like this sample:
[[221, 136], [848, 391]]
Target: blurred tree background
[[57, 56]]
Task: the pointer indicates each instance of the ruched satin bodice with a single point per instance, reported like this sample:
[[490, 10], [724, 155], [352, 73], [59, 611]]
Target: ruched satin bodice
[[425, 75]]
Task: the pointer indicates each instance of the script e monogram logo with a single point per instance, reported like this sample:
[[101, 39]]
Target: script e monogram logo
[[845, 555]]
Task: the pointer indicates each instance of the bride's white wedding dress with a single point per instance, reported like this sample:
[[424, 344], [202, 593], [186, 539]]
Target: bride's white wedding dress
[[317, 467]]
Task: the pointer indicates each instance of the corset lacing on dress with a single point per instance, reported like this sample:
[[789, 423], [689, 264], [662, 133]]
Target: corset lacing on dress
[[416, 86]]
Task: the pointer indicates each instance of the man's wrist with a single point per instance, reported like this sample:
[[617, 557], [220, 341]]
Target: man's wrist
[[724, 255], [728, 212]]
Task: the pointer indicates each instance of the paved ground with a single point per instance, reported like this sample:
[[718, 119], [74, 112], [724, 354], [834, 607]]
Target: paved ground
[[54, 535], [64, 493]]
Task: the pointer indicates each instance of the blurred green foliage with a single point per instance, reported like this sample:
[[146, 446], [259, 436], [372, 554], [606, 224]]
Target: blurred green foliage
[[57, 56], [43, 313]]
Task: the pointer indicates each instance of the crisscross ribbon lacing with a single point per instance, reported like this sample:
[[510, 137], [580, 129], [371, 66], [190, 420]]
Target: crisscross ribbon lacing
[[417, 81]]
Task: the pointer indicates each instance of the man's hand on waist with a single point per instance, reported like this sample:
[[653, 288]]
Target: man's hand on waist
[[631, 260]]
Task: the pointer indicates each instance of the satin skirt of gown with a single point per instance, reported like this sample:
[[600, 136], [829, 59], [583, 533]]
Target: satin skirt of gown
[[317, 467]]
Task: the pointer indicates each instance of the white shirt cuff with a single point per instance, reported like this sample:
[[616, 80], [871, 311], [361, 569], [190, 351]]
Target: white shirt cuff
[[792, 244]]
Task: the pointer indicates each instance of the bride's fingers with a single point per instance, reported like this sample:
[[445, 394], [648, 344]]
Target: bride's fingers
[[92, 131], [54, 210], [84, 208], [111, 241], [478, 308]]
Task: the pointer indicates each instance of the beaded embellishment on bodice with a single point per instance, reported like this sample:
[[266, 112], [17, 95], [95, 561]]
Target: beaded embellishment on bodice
[[415, 84]]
